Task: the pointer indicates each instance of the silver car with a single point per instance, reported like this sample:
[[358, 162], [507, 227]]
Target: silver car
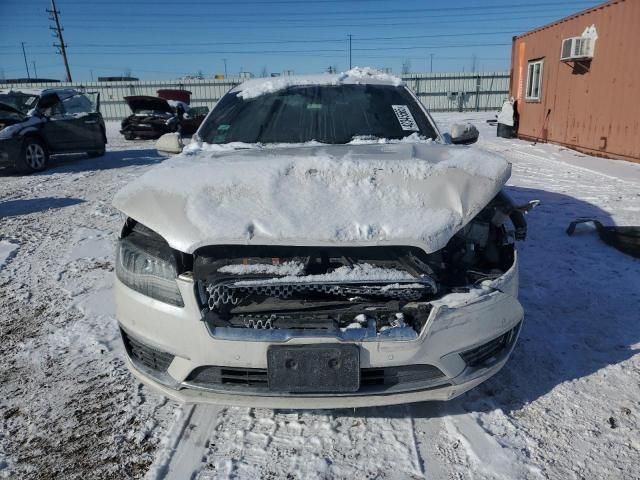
[[319, 244]]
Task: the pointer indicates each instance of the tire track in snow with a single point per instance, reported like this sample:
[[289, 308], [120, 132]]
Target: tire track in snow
[[268, 444], [185, 444]]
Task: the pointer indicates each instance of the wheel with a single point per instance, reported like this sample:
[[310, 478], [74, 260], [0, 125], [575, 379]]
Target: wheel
[[129, 136], [97, 153], [34, 156]]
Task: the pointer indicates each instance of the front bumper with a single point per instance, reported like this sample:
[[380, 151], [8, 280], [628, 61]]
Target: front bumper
[[10, 150], [451, 330]]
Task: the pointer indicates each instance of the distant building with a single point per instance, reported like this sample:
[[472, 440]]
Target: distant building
[[577, 81], [118, 79], [11, 81]]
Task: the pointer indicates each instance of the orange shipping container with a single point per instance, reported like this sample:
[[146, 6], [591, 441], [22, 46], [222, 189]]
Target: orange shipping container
[[589, 104]]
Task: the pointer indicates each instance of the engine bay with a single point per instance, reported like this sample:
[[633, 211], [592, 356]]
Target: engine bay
[[355, 292]]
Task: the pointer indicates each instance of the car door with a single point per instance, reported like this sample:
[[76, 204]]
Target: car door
[[84, 122], [58, 128]]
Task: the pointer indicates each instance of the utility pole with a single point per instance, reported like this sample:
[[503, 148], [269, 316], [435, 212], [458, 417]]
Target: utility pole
[[225, 67], [25, 61], [349, 51], [431, 63], [35, 72], [62, 48]]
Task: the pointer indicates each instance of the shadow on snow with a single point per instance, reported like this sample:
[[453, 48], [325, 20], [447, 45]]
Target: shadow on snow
[[74, 163], [581, 300], [14, 208]]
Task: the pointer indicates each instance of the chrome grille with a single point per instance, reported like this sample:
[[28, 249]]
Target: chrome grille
[[231, 294]]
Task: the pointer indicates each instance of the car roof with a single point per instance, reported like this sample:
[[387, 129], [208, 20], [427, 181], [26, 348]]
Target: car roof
[[355, 76], [62, 92]]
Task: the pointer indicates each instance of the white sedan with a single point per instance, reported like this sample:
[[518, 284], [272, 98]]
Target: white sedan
[[320, 244]]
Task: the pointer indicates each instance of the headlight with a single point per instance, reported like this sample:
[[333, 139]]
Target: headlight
[[146, 264]]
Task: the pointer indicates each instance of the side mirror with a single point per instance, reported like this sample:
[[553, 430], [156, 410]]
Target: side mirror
[[464, 134], [169, 143]]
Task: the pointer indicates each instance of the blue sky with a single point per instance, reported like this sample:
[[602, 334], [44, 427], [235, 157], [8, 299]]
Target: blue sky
[[165, 39]]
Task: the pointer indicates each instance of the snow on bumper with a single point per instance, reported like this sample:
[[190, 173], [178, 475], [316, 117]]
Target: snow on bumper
[[453, 330]]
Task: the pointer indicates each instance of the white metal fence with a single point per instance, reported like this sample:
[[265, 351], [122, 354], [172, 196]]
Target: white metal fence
[[439, 92]]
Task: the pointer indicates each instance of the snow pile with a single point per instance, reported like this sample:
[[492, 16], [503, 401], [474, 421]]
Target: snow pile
[[358, 75], [400, 286], [357, 140], [6, 249], [255, 88], [233, 146], [286, 268], [413, 194], [367, 74], [362, 272], [415, 137]]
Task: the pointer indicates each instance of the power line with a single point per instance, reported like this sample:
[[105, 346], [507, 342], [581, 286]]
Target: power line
[[287, 41], [132, 17], [385, 11], [271, 24], [265, 52]]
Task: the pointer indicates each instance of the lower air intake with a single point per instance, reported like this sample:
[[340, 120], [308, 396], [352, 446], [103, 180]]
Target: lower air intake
[[372, 380], [143, 355], [491, 351]]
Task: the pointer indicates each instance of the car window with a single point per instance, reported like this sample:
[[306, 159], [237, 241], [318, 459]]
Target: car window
[[77, 104], [327, 114], [50, 105]]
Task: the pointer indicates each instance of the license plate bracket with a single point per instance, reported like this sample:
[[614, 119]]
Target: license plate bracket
[[317, 368]]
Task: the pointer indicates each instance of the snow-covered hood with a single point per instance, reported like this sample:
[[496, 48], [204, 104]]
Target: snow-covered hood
[[416, 194]]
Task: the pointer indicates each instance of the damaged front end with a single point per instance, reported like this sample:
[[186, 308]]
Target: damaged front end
[[273, 293]]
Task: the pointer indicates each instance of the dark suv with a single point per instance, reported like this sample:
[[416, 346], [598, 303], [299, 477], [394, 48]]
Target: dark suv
[[35, 124]]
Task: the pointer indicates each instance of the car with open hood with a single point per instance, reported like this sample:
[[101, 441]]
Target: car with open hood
[[38, 123], [320, 244], [153, 117]]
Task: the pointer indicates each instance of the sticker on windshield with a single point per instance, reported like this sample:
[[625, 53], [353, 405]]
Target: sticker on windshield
[[407, 122]]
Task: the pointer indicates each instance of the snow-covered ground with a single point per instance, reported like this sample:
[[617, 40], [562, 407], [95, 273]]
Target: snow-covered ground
[[566, 406]]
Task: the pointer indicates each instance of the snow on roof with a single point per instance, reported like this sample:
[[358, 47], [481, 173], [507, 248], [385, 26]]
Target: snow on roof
[[359, 75]]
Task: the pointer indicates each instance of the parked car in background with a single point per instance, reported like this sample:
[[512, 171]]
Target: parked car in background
[[38, 123], [150, 118], [154, 116], [320, 244]]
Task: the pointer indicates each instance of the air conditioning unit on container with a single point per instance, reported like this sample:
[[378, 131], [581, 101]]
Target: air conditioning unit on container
[[577, 48]]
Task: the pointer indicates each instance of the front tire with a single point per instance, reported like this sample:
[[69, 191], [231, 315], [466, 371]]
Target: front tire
[[34, 156], [129, 136]]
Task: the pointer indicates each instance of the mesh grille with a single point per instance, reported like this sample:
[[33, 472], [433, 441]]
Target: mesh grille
[[228, 294]]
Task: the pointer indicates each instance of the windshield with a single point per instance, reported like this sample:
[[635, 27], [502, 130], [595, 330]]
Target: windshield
[[19, 101], [327, 114]]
